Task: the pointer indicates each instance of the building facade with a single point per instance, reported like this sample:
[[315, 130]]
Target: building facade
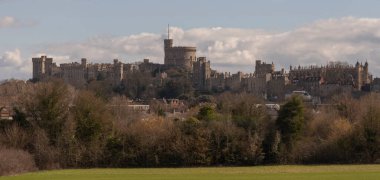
[[202, 74], [314, 78], [266, 82], [78, 74]]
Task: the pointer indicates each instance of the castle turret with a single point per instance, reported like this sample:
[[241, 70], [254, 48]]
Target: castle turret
[[357, 64], [84, 62], [366, 78], [178, 56], [358, 69], [118, 71], [202, 74], [262, 68], [42, 67], [168, 43]]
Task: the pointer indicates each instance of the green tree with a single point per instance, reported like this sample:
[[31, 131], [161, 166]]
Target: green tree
[[206, 113], [194, 137], [290, 122], [93, 127], [370, 131], [91, 116], [20, 118], [47, 107]]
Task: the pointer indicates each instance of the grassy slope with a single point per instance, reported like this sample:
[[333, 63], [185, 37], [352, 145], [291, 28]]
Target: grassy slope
[[334, 172]]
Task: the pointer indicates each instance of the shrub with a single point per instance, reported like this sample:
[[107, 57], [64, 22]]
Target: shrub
[[15, 161]]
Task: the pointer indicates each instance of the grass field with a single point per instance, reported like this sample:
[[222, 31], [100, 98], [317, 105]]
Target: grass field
[[333, 172]]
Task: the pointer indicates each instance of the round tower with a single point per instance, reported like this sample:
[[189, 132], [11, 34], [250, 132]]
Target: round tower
[[366, 78]]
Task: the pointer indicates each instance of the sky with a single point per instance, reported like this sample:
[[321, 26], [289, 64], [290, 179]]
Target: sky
[[231, 34]]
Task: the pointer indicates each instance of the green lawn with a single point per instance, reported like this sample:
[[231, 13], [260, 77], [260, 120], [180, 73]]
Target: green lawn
[[333, 172]]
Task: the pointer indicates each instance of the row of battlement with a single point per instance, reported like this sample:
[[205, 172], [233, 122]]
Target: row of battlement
[[331, 65], [184, 47]]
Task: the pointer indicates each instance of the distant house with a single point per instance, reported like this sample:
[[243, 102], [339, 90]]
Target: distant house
[[138, 107], [174, 105], [5, 114]]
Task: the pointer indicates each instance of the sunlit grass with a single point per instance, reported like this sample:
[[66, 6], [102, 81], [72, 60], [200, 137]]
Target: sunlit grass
[[333, 172]]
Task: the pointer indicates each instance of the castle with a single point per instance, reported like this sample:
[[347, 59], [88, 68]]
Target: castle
[[265, 82], [78, 74]]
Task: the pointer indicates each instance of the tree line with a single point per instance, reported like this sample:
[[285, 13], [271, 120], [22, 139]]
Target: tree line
[[57, 126]]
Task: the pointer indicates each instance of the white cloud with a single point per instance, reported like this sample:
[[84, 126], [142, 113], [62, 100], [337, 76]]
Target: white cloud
[[101, 49], [11, 58], [57, 58], [12, 22], [12, 65], [231, 49], [7, 21]]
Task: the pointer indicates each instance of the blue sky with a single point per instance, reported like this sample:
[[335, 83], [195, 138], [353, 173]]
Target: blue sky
[[71, 20], [37, 25]]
